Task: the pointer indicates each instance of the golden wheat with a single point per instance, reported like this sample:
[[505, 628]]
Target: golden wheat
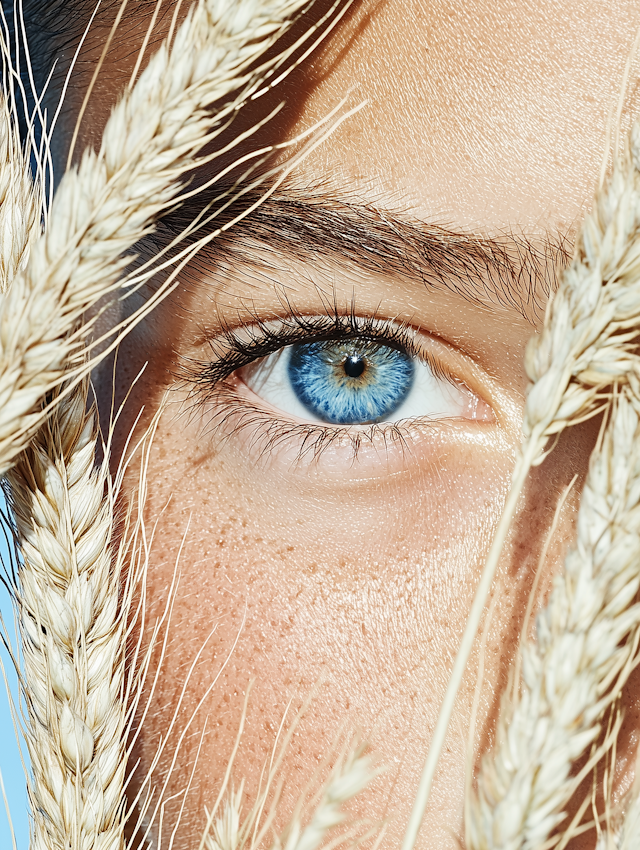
[[585, 346], [20, 202], [73, 615], [73, 624], [310, 826], [577, 666], [587, 638]]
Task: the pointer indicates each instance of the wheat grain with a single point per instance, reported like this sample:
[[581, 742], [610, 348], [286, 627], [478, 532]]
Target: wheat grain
[[224, 832], [73, 623], [20, 202]]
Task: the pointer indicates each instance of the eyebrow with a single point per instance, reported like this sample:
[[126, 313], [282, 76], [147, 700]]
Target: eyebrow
[[513, 271]]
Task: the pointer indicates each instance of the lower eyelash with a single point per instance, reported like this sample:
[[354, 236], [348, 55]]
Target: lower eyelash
[[229, 415]]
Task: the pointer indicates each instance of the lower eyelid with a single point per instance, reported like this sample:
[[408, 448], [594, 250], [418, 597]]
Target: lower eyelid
[[256, 433]]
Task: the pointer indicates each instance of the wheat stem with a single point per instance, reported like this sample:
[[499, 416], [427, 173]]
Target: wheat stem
[[464, 651], [350, 775], [586, 344], [581, 658]]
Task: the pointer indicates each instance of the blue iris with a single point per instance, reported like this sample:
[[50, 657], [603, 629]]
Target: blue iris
[[350, 382]]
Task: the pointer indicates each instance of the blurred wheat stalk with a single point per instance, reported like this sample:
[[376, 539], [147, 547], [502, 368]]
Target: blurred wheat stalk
[[76, 582], [563, 706], [584, 362]]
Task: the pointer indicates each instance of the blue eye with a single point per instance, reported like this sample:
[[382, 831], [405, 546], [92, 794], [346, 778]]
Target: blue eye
[[357, 382], [349, 383]]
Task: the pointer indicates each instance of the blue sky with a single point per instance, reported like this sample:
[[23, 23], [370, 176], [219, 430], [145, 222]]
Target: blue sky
[[10, 764]]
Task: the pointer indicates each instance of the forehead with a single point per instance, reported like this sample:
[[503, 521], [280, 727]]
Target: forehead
[[487, 115]]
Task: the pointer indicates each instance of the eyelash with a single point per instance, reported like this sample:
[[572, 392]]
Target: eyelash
[[234, 349]]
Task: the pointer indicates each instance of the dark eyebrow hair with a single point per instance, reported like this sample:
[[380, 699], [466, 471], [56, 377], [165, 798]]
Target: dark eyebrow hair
[[510, 270]]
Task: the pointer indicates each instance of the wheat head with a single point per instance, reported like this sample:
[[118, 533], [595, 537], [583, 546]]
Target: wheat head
[[73, 610], [73, 627], [587, 634]]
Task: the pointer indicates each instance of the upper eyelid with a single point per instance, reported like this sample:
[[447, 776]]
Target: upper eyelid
[[231, 352], [296, 322], [260, 338]]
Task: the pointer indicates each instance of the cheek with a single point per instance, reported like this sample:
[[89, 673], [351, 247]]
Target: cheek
[[377, 545], [356, 587]]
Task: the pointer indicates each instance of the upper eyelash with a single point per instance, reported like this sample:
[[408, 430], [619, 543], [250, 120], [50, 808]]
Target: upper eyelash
[[231, 351]]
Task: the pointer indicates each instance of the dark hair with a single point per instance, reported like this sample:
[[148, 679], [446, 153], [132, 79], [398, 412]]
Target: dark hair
[[51, 30]]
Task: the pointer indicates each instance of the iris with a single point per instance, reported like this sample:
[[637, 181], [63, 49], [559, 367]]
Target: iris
[[352, 382]]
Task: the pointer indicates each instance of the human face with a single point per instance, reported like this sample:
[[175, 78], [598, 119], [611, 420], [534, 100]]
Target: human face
[[348, 572]]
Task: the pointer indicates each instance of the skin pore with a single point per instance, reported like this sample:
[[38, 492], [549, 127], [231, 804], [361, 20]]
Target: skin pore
[[345, 561]]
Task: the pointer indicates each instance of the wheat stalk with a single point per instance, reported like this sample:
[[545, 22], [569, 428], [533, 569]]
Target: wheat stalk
[[73, 625], [110, 201], [575, 671], [583, 655], [73, 620], [351, 773], [20, 201]]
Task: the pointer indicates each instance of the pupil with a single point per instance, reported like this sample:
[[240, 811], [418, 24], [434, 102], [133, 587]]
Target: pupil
[[354, 366]]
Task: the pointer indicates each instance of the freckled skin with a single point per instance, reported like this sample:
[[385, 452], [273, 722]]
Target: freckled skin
[[487, 116]]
